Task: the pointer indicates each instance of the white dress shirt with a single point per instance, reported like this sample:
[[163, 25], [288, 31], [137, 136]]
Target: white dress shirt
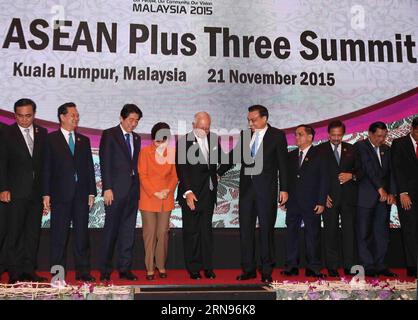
[[305, 151], [338, 149], [204, 146], [377, 150], [261, 133], [414, 143], [67, 135]]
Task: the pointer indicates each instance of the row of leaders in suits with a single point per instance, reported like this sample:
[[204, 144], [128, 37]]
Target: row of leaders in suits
[[54, 172]]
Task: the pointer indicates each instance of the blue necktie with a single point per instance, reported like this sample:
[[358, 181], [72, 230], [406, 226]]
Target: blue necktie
[[254, 146], [71, 144], [128, 143]]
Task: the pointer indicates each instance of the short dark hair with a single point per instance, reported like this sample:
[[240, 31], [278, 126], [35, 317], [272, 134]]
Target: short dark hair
[[415, 123], [308, 129], [336, 124], [165, 133], [377, 125], [24, 102], [262, 110], [130, 108], [63, 109]]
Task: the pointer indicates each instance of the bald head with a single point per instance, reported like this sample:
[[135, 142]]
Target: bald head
[[201, 123]]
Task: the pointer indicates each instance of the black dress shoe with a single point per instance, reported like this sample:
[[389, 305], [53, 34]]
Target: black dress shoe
[[13, 280], [290, 272], [33, 277], [311, 273], [163, 275], [247, 276], [411, 272], [387, 273], [210, 274], [195, 275], [128, 275], [347, 272], [370, 273], [105, 276], [266, 278], [333, 273], [85, 277], [150, 277]]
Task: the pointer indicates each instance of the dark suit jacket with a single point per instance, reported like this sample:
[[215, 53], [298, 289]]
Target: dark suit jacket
[[405, 165], [24, 172], [2, 159], [117, 167], [349, 162], [309, 184], [60, 167], [195, 176], [272, 161], [373, 175]]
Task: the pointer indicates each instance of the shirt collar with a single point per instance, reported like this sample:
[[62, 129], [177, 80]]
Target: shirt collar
[[123, 130], [333, 146], [305, 151], [373, 145], [262, 131], [23, 129], [66, 132], [413, 140], [198, 138]]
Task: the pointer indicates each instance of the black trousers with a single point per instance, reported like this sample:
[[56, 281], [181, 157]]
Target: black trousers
[[373, 235], [63, 214], [251, 207], [3, 233], [197, 234], [408, 220], [119, 228], [24, 224], [312, 227], [331, 218]]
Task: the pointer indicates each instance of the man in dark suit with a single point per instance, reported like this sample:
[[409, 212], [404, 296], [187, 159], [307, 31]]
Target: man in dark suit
[[119, 151], [308, 189], [262, 151], [69, 189], [376, 192], [405, 166], [3, 216], [23, 157], [343, 165], [198, 155]]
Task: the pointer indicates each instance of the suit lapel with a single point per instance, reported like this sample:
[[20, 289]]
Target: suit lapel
[[307, 158], [374, 154], [65, 144], [332, 155], [36, 144], [137, 145], [20, 139], [265, 138], [410, 148], [191, 142]]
